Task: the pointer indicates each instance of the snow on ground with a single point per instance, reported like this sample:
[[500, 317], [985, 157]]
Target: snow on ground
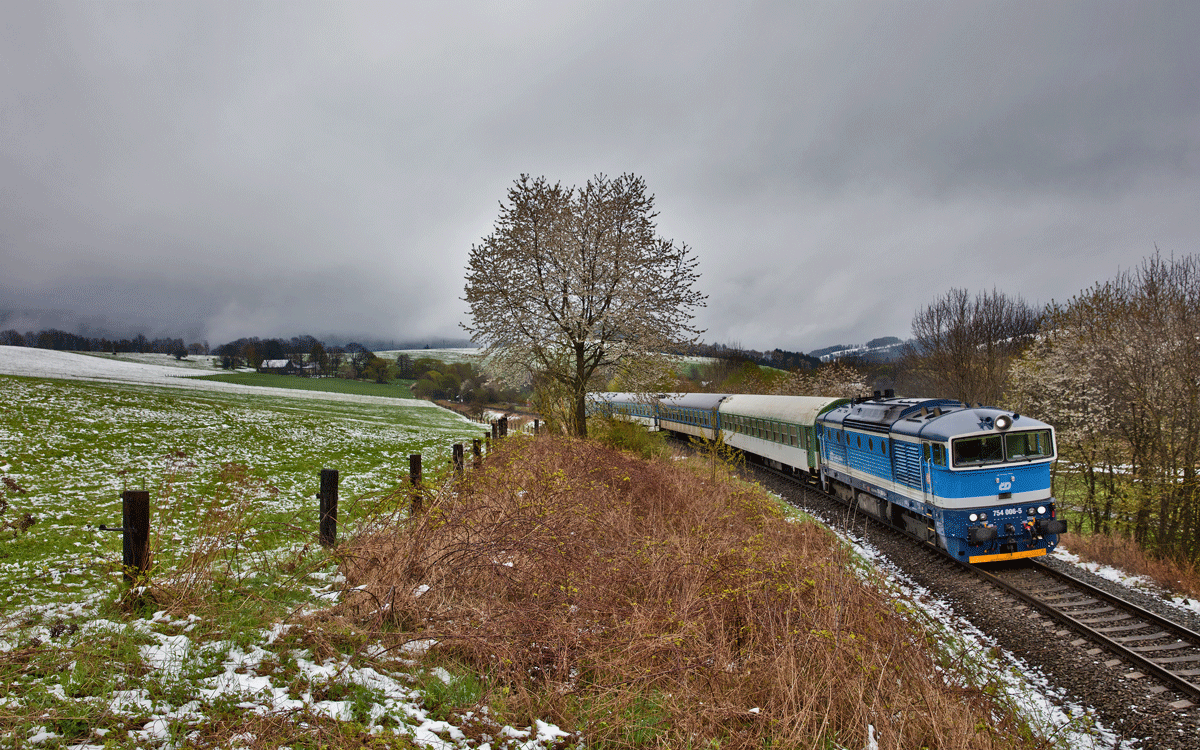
[[185, 677], [1140, 583], [449, 356], [47, 363]]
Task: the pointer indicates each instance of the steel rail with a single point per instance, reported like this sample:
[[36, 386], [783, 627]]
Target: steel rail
[[1177, 682]]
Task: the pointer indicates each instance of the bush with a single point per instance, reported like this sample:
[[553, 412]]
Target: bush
[[624, 435]]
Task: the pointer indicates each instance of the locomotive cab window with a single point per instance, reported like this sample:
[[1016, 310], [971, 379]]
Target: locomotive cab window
[[935, 453], [978, 451], [1028, 446]]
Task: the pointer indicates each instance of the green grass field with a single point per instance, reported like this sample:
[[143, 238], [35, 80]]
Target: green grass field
[[68, 449]]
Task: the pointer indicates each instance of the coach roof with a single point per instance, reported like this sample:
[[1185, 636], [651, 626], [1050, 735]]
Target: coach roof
[[792, 409]]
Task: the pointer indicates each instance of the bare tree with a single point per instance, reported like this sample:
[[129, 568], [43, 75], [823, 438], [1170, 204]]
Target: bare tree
[[962, 347], [574, 285], [1116, 373]]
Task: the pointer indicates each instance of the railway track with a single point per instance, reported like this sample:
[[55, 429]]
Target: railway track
[[1152, 645]]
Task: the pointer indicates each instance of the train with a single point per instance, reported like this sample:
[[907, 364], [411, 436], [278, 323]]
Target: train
[[973, 481]]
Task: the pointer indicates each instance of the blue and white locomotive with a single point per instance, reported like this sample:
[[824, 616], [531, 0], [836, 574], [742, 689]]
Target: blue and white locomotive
[[973, 481]]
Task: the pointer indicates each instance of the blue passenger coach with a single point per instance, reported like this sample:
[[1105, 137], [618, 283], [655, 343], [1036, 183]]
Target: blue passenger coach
[[694, 414], [974, 481]]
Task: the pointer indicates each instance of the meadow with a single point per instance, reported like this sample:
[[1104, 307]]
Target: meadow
[[233, 478]]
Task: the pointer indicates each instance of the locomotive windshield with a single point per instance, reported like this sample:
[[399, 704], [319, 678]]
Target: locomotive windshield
[[995, 449], [1028, 446]]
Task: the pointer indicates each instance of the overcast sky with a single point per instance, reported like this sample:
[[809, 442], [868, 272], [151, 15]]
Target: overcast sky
[[217, 170]]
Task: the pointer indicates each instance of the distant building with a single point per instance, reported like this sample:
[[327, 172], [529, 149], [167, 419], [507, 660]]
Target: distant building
[[277, 366]]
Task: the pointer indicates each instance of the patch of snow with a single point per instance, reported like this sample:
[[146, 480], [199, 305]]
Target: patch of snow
[[48, 363], [1117, 575]]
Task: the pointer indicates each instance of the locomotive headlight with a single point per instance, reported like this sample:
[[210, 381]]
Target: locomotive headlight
[[1041, 509], [1003, 422], [974, 517]]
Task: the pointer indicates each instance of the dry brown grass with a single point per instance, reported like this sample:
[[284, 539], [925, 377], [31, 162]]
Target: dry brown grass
[[1125, 554], [642, 603]]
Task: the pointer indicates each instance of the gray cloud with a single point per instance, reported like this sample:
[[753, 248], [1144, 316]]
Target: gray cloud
[[272, 169]]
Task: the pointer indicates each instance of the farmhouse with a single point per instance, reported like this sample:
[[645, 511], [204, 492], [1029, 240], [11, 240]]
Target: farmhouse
[[278, 366]]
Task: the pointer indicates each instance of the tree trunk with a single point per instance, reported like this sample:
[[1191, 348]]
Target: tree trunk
[[580, 391]]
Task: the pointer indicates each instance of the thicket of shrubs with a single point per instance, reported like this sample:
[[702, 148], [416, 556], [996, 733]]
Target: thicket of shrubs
[[458, 381]]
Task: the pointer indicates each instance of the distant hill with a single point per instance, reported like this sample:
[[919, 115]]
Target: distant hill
[[884, 349]]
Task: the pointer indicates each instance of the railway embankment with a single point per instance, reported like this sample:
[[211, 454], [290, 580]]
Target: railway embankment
[[1134, 709]]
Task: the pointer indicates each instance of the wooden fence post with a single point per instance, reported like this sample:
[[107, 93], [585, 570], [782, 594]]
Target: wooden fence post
[[504, 426], [135, 534], [495, 430], [458, 459], [536, 426], [329, 503], [476, 453], [414, 478]]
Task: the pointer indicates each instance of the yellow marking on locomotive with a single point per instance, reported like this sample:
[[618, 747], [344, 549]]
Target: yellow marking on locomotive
[[1006, 556]]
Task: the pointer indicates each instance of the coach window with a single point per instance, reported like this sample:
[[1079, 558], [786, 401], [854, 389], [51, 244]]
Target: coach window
[[926, 446], [870, 444]]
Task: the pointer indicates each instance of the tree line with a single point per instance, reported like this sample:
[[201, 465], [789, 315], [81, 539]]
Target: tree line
[[71, 342], [1113, 369]]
